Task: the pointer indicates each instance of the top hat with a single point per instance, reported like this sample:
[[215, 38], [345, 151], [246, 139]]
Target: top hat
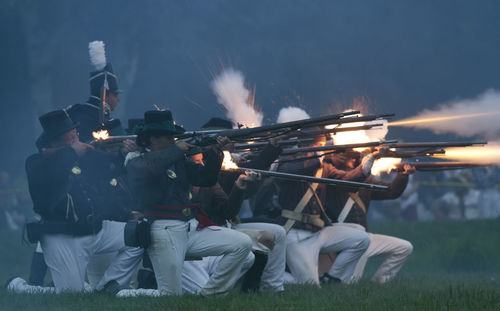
[[54, 124], [217, 124]]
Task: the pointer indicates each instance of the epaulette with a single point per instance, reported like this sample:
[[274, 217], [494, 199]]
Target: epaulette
[[131, 156]]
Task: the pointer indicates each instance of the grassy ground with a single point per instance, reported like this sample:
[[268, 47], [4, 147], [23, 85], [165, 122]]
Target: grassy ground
[[455, 266]]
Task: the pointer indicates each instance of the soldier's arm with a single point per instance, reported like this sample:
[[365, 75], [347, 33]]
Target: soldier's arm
[[153, 163], [205, 175]]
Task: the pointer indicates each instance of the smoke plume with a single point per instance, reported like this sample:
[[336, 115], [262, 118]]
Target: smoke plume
[[466, 117], [289, 114], [229, 87]]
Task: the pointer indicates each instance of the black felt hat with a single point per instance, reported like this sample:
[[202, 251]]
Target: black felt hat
[[159, 121], [54, 124], [217, 124]]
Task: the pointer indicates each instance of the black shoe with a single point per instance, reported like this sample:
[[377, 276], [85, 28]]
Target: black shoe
[[112, 288], [328, 279]]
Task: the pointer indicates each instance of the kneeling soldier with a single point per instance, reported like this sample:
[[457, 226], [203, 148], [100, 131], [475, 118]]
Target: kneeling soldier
[[161, 177], [61, 179]]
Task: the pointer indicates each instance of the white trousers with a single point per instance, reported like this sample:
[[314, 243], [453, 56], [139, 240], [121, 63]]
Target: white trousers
[[173, 240], [196, 273], [349, 241], [67, 257], [273, 275], [97, 266], [394, 250]]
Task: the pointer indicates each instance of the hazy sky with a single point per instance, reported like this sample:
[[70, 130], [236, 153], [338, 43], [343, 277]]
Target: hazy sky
[[395, 56]]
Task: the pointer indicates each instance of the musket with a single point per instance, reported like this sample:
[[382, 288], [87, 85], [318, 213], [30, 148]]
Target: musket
[[285, 142], [336, 147], [436, 144], [438, 166], [112, 140], [309, 133], [413, 153], [268, 131], [312, 179]]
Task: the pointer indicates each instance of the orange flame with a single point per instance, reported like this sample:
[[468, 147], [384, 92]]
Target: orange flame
[[100, 135], [384, 165], [438, 119], [228, 162], [487, 154]]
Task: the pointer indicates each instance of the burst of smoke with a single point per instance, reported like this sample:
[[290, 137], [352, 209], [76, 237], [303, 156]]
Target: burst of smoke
[[467, 117], [289, 114], [229, 87], [355, 137]]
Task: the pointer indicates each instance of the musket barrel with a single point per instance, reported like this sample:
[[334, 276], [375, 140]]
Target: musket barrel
[[336, 147], [430, 166], [437, 144], [328, 181]]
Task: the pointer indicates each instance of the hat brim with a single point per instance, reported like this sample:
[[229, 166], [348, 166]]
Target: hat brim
[[45, 138]]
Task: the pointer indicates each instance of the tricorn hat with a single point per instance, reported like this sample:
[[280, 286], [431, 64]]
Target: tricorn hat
[[54, 124], [217, 124]]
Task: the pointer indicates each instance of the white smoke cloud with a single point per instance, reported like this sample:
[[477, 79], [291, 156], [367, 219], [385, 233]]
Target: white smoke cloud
[[289, 114], [97, 54], [466, 117], [229, 87]]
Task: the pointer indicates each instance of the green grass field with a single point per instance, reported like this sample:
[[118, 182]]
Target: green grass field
[[455, 266]]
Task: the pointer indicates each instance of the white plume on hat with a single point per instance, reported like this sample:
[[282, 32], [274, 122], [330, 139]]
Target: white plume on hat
[[289, 114], [97, 54]]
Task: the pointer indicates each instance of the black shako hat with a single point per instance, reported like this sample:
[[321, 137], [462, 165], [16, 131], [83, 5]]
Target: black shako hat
[[54, 124], [104, 78], [217, 124]]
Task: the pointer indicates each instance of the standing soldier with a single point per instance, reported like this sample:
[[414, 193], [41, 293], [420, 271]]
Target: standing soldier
[[95, 113]]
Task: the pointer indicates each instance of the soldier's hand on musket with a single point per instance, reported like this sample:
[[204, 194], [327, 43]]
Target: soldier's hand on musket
[[223, 141], [128, 145], [408, 169], [81, 148], [184, 146], [244, 179], [380, 152]]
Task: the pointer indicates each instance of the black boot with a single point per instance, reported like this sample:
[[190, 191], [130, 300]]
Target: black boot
[[251, 279], [328, 279], [38, 270]]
